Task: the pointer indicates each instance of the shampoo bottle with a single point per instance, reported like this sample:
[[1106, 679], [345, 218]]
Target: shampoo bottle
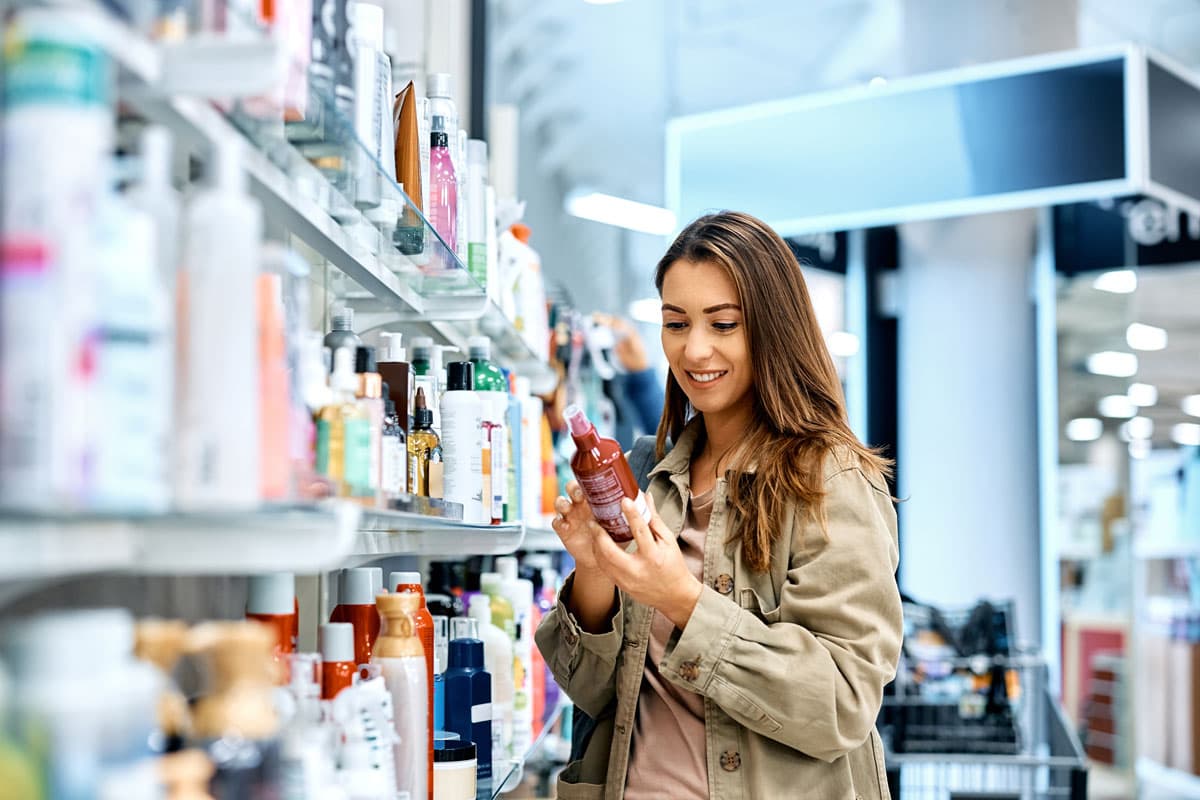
[[469, 693], [462, 449], [399, 654], [356, 605], [410, 583], [498, 660], [604, 475]]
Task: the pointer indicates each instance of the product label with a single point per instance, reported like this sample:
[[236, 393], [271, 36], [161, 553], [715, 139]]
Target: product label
[[604, 494], [357, 459], [499, 471], [323, 431], [477, 262], [394, 466], [481, 713]]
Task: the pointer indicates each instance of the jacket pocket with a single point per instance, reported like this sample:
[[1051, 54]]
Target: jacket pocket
[[750, 601], [570, 788]]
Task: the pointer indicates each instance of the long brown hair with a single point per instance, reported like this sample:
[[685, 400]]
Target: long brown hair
[[799, 409]]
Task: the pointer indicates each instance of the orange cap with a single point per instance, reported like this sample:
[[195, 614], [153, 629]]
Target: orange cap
[[521, 231]]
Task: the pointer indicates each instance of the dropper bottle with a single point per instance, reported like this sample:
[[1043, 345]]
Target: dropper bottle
[[421, 443]]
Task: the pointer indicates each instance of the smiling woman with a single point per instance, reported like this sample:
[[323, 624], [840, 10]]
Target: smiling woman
[[741, 647]]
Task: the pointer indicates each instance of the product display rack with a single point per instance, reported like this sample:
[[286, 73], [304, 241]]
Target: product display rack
[[515, 774], [385, 533], [1156, 780]]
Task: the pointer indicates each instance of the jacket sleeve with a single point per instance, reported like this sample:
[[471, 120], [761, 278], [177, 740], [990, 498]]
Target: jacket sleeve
[[583, 664], [812, 677]]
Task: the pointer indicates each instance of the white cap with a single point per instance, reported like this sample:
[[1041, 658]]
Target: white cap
[[479, 347], [344, 379], [377, 586], [336, 641], [357, 587], [507, 566], [477, 152], [366, 22], [481, 609], [521, 595], [272, 594], [392, 349], [464, 628], [490, 582], [440, 84], [397, 578], [53, 643]]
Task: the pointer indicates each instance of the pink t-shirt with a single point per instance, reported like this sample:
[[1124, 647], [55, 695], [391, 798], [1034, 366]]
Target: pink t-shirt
[[668, 756]]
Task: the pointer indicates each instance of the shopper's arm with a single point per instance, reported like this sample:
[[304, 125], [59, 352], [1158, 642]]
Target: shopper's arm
[[809, 674]]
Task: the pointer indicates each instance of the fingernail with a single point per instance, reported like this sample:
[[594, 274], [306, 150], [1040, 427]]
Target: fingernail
[[577, 494]]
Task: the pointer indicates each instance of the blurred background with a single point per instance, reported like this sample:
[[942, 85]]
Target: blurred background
[[996, 207]]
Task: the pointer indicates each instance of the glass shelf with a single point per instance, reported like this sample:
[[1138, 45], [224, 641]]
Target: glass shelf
[[515, 774], [1166, 550], [397, 533], [296, 538], [540, 536]]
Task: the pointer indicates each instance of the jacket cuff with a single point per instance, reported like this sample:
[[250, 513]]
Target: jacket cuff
[[692, 655], [605, 646]]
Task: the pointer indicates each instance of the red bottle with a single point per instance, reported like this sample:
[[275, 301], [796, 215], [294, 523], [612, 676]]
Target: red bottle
[[356, 604], [271, 600], [410, 583], [604, 475], [336, 642]]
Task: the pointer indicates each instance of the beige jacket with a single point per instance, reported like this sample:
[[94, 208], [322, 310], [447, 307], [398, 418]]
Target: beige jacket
[[792, 663]]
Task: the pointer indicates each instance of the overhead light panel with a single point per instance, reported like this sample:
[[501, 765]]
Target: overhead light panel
[[1143, 394], [1186, 433], [1116, 406], [1138, 428], [1084, 429], [1139, 449], [647, 309], [1191, 405], [612, 210], [1114, 363], [1145, 337], [843, 344], [1117, 281]]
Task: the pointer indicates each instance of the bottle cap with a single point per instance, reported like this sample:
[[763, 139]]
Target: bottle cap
[[364, 359], [481, 608], [422, 348], [392, 349], [464, 628], [273, 594], [451, 752], [577, 421], [440, 85], [466, 653], [357, 587], [508, 567], [366, 20], [403, 579], [376, 581], [440, 737], [479, 348], [438, 138], [422, 414], [336, 641], [460, 376], [343, 319], [344, 378]]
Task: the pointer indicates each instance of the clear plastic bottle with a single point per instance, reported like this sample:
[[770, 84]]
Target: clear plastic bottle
[[344, 430], [443, 194]]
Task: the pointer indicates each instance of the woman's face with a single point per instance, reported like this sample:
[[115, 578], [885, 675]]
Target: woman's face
[[704, 337]]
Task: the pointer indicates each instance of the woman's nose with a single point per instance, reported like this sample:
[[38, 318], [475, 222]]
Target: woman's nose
[[698, 347]]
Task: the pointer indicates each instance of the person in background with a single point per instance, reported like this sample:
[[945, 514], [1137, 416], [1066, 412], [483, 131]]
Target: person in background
[[637, 392], [740, 650]]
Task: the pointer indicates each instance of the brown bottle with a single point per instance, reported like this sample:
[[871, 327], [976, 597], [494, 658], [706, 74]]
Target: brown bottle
[[604, 475]]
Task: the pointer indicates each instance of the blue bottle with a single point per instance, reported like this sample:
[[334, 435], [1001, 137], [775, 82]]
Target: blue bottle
[[468, 689]]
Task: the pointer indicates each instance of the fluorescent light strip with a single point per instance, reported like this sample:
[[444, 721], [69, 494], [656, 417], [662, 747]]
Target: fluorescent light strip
[[1191, 405], [1117, 281], [618, 211], [1111, 362], [1084, 429], [1186, 433], [1143, 395], [1145, 337], [843, 344], [1116, 406]]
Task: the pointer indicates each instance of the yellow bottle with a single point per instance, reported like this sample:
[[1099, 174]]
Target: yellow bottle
[[344, 431], [421, 442]]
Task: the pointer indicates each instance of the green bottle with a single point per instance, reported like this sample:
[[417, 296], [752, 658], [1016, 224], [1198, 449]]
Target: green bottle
[[492, 387]]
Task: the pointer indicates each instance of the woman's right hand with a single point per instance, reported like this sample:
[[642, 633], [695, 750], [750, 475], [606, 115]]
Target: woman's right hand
[[577, 527]]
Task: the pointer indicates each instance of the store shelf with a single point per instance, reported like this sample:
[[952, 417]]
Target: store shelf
[[1165, 550], [542, 537], [503, 784], [1166, 782], [398, 533], [299, 539]]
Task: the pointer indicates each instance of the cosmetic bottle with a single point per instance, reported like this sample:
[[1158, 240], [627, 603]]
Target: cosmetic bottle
[[443, 194], [604, 475], [219, 421], [356, 605], [477, 160], [370, 396], [341, 332], [336, 642], [519, 593], [428, 375], [367, 720], [236, 722], [531, 452], [372, 105], [344, 431], [161, 643], [491, 584], [441, 651], [410, 583], [393, 453], [514, 454], [441, 103], [271, 600], [455, 771], [420, 442], [276, 482], [398, 374], [309, 124], [399, 654], [308, 736], [493, 393], [462, 447], [498, 660], [469, 692]]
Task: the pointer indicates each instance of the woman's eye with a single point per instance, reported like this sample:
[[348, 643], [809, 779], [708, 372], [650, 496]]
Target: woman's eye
[[674, 326], [725, 327]]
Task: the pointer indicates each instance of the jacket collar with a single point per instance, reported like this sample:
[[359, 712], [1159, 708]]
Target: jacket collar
[[679, 460]]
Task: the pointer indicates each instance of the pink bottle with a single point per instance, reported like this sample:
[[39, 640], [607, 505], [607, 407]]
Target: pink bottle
[[443, 188], [604, 475]]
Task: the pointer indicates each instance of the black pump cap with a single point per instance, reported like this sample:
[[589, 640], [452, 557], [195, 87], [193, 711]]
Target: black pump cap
[[422, 414], [460, 376], [364, 359], [439, 139]]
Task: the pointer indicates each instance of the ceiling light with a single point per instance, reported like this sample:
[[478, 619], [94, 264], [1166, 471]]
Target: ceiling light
[[1139, 428], [1111, 362], [1117, 406], [1117, 281], [618, 211], [843, 344], [1187, 433], [877, 81], [1145, 337], [1139, 449], [1084, 429], [1191, 405], [647, 309], [1143, 394]]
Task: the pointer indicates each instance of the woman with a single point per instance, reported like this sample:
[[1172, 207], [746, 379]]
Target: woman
[[741, 648]]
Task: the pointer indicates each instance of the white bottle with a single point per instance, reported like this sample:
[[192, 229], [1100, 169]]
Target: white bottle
[[520, 594], [498, 660], [476, 227], [462, 443], [372, 104], [219, 430], [531, 452]]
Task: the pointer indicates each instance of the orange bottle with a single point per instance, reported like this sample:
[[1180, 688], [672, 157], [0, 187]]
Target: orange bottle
[[410, 583], [604, 475], [271, 600], [356, 604], [336, 642]]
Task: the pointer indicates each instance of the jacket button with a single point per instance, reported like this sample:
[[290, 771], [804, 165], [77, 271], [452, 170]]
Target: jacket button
[[731, 760], [689, 670], [571, 638], [723, 583]]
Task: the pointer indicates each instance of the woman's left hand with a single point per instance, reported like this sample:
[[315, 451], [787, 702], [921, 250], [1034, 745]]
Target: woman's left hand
[[654, 574]]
